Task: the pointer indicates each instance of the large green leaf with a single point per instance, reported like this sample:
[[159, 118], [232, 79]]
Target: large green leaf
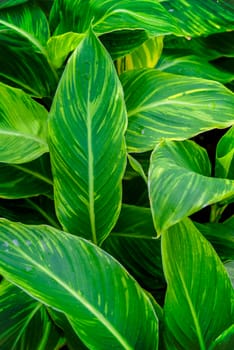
[[163, 105], [193, 65], [28, 17], [111, 15], [22, 127], [103, 303], [24, 322], [25, 180], [9, 3], [25, 63], [86, 129], [197, 285], [180, 182], [201, 17], [224, 166]]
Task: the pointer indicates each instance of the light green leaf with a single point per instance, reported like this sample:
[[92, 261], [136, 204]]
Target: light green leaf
[[195, 288], [145, 56], [60, 46], [24, 322], [25, 180], [180, 183], [201, 17], [86, 128], [25, 63], [28, 17], [192, 65], [22, 127], [9, 3], [224, 341], [224, 166], [163, 105], [136, 165], [58, 270], [111, 15]]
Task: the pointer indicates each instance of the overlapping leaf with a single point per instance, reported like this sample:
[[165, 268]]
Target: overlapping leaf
[[29, 18], [110, 15], [201, 18], [24, 322], [224, 341], [9, 3], [163, 105], [224, 166], [145, 56], [180, 183], [25, 63], [87, 125], [22, 127], [197, 284], [59, 269], [195, 66], [25, 180]]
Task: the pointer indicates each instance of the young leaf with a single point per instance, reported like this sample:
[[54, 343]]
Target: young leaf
[[24, 322], [180, 183], [163, 105], [105, 306], [224, 166], [86, 138], [22, 127], [197, 284]]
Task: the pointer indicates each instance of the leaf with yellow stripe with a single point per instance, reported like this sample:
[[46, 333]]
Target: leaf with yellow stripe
[[86, 138], [180, 183], [145, 56], [162, 105], [23, 127], [103, 303], [197, 284]]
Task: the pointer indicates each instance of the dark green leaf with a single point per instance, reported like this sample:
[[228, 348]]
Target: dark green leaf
[[58, 269], [86, 129], [224, 341], [9, 3]]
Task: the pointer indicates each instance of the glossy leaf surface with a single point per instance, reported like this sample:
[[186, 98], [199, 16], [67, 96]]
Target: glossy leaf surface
[[22, 127], [180, 183], [89, 111], [58, 269], [224, 166], [163, 105], [195, 288], [24, 322]]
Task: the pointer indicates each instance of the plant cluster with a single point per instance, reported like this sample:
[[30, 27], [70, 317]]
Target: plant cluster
[[116, 174]]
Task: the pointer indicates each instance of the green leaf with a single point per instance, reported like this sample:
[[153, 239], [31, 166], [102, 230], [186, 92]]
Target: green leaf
[[111, 15], [136, 165], [195, 288], [58, 269], [86, 128], [192, 65], [224, 166], [230, 270], [28, 17], [22, 127], [201, 18], [25, 63], [133, 244], [8, 3], [163, 105], [180, 183], [221, 236], [60, 46], [25, 180], [145, 56], [24, 322], [224, 341]]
